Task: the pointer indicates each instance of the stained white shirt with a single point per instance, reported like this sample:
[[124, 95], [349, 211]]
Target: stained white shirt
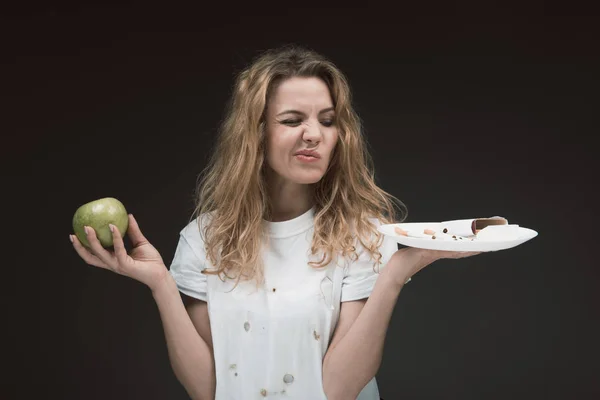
[[270, 342]]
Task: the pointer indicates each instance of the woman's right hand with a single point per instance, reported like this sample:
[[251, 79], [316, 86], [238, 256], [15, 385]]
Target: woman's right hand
[[143, 264]]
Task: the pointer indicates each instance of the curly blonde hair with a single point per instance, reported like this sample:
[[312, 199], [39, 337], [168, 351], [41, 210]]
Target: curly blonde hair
[[232, 187]]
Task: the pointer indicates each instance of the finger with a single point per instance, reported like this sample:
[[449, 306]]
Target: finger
[[86, 255], [97, 248], [134, 233], [119, 246]]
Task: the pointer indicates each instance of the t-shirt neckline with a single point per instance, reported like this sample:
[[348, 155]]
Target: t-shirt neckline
[[292, 226]]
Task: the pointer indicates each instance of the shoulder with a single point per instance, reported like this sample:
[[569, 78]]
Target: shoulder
[[374, 221], [374, 236], [374, 241], [193, 233], [385, 243], [194, 229]]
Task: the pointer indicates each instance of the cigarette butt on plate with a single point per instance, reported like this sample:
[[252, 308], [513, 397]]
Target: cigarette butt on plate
[[415, 234], [400, 231]]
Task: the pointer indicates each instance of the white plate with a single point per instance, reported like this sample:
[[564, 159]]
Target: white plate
[[523, 235]]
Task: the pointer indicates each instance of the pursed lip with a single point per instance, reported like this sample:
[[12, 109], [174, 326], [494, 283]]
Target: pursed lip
[[310, 153]]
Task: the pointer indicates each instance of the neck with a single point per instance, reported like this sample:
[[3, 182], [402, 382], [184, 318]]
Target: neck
[[289, 200]]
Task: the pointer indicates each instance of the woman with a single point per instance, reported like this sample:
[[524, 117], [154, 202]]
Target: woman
[[283, 236]]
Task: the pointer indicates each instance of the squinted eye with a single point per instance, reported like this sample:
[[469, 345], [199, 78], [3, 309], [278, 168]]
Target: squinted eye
[[291, 122]]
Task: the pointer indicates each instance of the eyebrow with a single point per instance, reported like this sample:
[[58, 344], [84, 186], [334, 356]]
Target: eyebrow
[[301, 113]]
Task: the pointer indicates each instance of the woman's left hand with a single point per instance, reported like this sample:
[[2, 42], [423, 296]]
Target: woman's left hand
[[408, 261]]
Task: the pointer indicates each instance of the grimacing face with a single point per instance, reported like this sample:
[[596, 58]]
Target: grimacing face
[[300, 116]]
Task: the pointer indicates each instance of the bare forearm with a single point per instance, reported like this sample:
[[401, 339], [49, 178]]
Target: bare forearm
[[191, 358], [356, 358]]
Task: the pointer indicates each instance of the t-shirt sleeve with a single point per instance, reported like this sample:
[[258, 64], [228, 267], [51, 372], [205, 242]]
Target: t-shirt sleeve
[[360, 275], [188, 263]]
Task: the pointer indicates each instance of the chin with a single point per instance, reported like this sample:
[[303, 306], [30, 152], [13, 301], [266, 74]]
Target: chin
[[308, 179]]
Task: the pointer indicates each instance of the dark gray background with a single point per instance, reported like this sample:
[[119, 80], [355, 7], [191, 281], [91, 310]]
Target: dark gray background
[[468, 112]]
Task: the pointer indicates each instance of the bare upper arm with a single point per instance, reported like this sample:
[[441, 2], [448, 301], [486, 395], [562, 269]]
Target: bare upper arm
[[349, 311], [198, 312]]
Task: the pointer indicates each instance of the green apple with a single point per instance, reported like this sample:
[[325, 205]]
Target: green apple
[[98, 214]]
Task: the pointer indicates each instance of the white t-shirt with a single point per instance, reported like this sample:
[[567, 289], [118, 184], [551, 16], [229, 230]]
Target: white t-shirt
[[270, 342]]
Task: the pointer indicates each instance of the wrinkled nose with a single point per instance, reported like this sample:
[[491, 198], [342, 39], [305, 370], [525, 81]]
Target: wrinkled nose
[[312, 133]]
